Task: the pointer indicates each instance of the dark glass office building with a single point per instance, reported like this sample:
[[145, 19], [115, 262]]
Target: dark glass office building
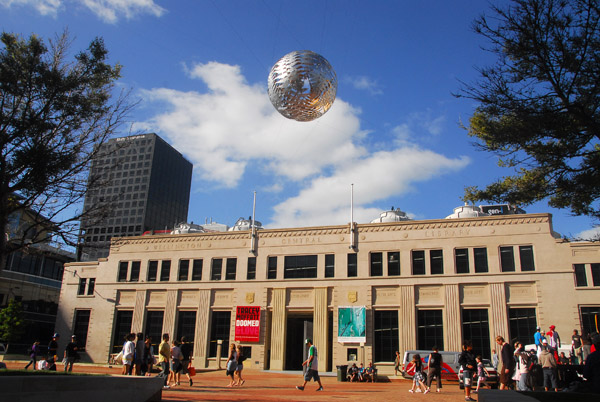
[[144, 182]]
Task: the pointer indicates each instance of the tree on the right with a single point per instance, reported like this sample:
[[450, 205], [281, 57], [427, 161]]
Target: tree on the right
[[538, 105]]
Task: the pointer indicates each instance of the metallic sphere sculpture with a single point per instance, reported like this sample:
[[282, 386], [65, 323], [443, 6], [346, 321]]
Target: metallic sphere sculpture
[[302, 85]]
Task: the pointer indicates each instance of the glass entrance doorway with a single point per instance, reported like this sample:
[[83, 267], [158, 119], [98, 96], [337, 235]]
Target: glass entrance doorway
[[299, 327]]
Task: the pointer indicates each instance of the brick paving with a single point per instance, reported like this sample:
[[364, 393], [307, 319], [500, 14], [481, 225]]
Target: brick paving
[[277, 386]]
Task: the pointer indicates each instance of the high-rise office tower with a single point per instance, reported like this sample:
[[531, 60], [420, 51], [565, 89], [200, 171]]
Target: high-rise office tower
[[143, 182]]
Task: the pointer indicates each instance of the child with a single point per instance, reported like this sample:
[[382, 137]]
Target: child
[[482, 374], [418, 378]]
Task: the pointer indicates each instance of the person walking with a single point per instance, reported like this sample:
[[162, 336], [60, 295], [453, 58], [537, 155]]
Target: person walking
[[240, 366], [186, 358], [507, 353], [138, 358], [576, 348], [164, 355], [128, 354], [482, 374], [418, 376], [522, 366], [495, 359], [176, 358], [435, 369], [397, 362], [232, 364], [70, 354], [312, 366], [548, 363], [35, 352], [53, 352], [469, 364], [148, 357]]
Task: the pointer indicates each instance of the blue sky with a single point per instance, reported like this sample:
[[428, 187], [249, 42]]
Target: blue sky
[[199, 69]]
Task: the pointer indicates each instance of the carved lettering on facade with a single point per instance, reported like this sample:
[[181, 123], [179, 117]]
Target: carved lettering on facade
[[443, 233], [521, 293], [157, 298], [475, 294], [429, 295], [222, 297], [301, 240], [385, 295], [126, 298], [302, 297]]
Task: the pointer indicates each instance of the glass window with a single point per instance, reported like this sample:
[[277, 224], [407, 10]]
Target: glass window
[[481, 261], [197, 270], [329, 265], [184, 268], [272, 268], [123, 266], [376, 264], [134, 275], [580, 275], [80, 328], [526, 256], [522, 324], [418, 262], [219, 329], [216, 268], [300, 266], [589, 318], [165, 270], [186, 326], [461, 260], [152, 270], [476, 328], [122, 328], [436, 262], [596, 274], [430, 329], [352, 265], [251, 272], [230, 269], [393, 263], [507, 259], [81, 288], [154, 327], [91, 286], [386, 340]]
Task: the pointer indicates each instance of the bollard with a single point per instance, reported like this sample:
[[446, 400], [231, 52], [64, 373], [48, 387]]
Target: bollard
[[219, 349]]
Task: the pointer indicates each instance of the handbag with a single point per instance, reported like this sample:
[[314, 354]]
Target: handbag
[[191, 370], [231, 365]]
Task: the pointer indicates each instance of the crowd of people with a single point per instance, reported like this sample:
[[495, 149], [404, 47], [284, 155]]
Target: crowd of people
[[49, 359], [361, 373]]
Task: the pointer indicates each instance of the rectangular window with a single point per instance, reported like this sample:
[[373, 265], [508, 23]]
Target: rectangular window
[[430, 329], [81, 288], [436, 262], [329, 265], [152, 270], [393, 263], [481, 261], [91, 286], [476, 328], [386, 339], [589, 318], [461, 260], [184, 270], [522, 324], [165, 270], [186, 326], [300, 266], [134, 275], [352, 266], [596, 274], [230, 269], [376, 264], [197, 270], [216, 268], [251, 273], [80, 328], [123, 266], [507, 259], [526, 256], [154, 327], [272, 268], [219, 329], [122, 328], [418, 262], [580, 275]]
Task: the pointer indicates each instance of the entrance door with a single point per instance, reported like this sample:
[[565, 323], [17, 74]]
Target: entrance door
[[299, 327]]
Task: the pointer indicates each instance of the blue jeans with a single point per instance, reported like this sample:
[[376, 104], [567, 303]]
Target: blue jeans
[[522, 381], [164, 371]]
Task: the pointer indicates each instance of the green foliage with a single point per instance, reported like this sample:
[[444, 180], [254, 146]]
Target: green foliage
[[12, 322], [539, 104]]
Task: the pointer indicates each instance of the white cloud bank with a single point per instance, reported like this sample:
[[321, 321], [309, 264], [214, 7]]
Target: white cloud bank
[[233, 124], [108, 11]]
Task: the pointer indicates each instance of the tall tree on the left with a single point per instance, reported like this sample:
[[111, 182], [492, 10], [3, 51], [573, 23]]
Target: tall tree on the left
[[55, 112]]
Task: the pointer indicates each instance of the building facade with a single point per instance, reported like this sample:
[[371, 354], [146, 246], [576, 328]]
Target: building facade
[[361, 292], [146, 184]]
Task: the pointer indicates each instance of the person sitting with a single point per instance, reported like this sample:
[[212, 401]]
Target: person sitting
[[353, 373], [361, 373], [370, 373]]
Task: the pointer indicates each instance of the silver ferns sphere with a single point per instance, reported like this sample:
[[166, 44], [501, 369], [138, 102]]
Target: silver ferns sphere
[[302, 85]]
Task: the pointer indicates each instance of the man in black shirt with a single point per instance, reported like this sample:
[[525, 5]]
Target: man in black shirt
[[507, 354], [469, 365], [435, 369], [577, 348], [70, 354], [186, 353], [53, 352]]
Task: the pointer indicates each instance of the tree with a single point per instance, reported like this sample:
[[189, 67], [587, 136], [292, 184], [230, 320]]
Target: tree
[[538, 105], [12, 322], [54, 115]]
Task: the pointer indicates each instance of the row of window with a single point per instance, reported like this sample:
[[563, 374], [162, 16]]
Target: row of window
[[305, 266], [86, 283], [581, 275]]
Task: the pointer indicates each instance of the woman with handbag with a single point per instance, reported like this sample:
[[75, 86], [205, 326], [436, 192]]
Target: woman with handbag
[[232, 364]]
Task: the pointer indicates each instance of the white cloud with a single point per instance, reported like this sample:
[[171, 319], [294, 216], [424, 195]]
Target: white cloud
[[233, 124], [107, 10], [365, 83], [590, 234]]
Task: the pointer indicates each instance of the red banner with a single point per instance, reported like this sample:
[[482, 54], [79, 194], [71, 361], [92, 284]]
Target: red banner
[[247, 324]]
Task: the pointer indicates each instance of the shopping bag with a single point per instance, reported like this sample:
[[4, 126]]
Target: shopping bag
[[191, 370]]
